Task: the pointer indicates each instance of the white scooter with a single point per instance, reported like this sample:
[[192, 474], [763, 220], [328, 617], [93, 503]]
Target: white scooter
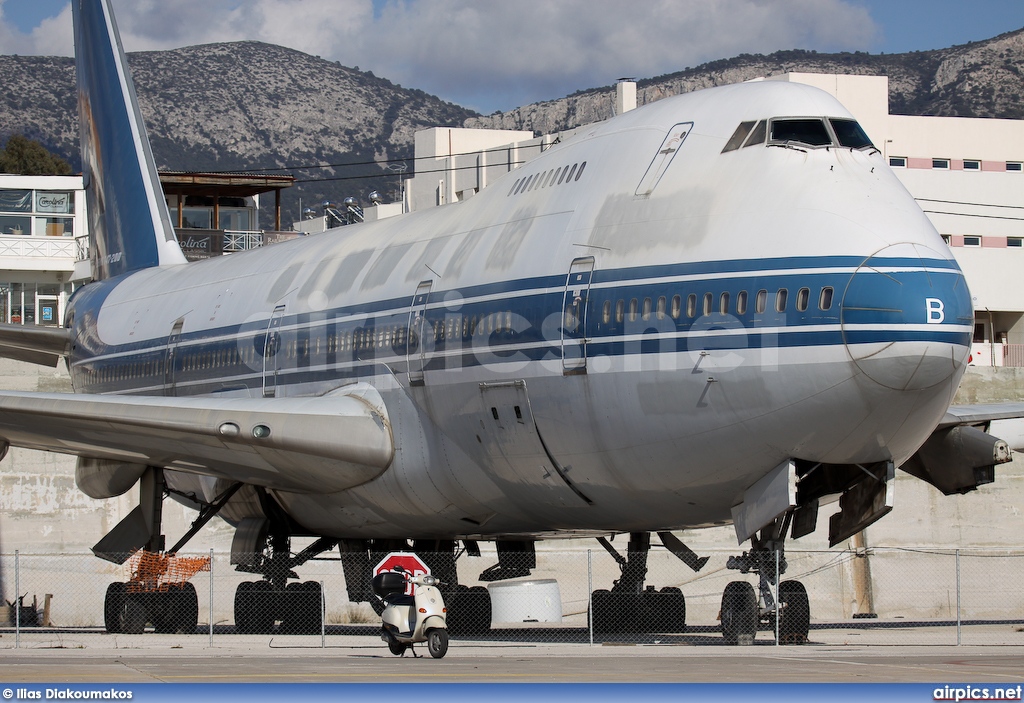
[[407, 619]]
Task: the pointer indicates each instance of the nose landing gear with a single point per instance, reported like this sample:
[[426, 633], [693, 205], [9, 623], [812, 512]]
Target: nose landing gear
[[742, 613]]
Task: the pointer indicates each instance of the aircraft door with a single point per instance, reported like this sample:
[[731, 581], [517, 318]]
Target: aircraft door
[[416, 347], [659, 164], [518, 458], [172, 350], [574, 315], [271, 347]]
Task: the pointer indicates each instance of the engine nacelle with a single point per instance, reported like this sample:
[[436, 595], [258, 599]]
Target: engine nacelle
[[104, 478], [958, 459]]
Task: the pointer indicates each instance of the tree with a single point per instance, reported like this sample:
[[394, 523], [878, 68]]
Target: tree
[[30, 158]]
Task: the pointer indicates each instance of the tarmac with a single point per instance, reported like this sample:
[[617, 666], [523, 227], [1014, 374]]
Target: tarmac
[[90, 657]]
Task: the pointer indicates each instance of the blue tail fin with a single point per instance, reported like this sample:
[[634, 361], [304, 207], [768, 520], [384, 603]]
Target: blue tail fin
[[128, 217]]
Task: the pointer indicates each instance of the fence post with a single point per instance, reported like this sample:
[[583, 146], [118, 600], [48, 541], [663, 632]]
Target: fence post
[[323, 617], [590, 595], [17, 600], [777, 577], [957, 597], [211, 598]]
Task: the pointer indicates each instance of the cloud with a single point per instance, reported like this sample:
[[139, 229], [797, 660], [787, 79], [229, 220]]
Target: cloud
[[487, 54]]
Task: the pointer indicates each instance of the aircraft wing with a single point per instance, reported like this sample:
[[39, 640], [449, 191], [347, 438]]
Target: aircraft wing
[[320, 444], [985, 413], [36, 345]]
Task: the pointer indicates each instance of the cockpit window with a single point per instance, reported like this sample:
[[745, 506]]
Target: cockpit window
[[738, 136], [850, 134], [757, 136], [810, 131]]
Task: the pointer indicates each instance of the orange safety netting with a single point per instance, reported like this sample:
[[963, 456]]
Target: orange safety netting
[[152, 571]]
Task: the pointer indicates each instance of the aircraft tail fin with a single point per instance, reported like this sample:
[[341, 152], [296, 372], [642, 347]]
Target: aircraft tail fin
[[129, 221]]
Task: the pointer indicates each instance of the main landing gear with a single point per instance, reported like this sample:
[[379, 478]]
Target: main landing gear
[[158, 591], [260, 605], [629, 606], [743, 612]]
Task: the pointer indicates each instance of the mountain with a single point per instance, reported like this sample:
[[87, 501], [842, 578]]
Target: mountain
[[241, 106], [980, 79], [255, 106]]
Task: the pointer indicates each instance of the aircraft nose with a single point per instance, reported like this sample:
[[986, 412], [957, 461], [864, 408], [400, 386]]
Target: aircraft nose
[[907, 318]]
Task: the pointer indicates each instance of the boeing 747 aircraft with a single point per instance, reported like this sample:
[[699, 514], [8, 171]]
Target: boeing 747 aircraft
[[719, 308]]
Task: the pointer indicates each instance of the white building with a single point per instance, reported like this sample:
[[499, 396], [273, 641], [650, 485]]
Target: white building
[[41, 219]]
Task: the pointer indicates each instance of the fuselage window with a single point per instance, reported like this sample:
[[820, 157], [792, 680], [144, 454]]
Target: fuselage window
[[691, 305], [803, 297], [554, 178], [565, 170], [761, 301], [572, 170], [606, 312], [723, 304], [825, 299], [620, 309], [633, 307], [677, 306], [741, 302], [660, 310], [515, 186], [780, 300], [647, 309], [580, 172], [708, 302]]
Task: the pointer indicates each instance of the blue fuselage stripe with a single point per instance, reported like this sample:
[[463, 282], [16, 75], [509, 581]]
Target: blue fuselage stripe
[[628, 311]]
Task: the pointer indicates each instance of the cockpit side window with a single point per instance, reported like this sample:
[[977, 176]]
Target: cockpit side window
[[757, 136], [809, 131], [850, 134], [738, 136]]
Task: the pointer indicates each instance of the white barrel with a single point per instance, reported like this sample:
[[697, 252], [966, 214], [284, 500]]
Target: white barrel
[[537, 600]]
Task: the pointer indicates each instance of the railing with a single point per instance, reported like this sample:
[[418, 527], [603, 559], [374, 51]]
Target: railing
[[1013, 355], [37, 247], [241, 240]]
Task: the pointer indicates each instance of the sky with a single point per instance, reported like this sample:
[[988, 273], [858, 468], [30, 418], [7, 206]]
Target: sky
[[491, 55]]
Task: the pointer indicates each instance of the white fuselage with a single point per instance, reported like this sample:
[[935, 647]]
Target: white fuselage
[[634, 394]]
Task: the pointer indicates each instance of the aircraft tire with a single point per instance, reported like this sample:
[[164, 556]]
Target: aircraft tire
[[664, 611], [113, 605], [794, 613], [617, 612], [163, 610], [301, 615], [739, 613], [264, 607], [244, 615], [186, 609], [133, 617], [478, 607]]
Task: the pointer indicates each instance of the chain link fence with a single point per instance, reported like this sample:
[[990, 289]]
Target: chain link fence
[[879, 596]]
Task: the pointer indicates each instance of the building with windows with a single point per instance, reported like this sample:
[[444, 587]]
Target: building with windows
[[42, 220]]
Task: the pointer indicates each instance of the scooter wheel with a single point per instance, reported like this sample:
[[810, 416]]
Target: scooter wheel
[[397, 648], [437, 643]]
